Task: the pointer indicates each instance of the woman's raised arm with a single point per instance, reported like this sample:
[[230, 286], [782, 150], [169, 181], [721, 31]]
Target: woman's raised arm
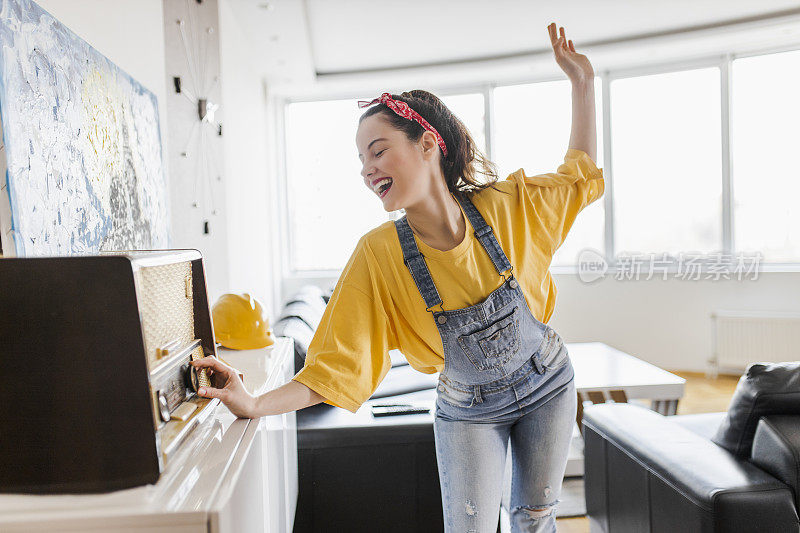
[[580, 73]]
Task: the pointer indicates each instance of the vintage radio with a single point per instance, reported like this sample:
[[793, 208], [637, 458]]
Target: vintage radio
[[97, 391]]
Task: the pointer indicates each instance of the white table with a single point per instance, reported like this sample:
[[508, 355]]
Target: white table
[[602, 368], [232, 474]]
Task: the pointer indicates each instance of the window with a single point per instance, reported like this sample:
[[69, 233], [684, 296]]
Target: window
[[666, 144], [532, 124], [666, 153], [765, 182], [470, 109], [324, 182]]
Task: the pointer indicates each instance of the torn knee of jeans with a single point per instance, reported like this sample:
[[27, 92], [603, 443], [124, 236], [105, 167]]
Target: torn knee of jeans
[[471, 509], [537, 511]]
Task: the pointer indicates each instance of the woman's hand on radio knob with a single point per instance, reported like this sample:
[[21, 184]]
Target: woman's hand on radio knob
[[228, 387]]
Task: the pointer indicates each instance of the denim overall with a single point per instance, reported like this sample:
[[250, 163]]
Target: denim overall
[[500, 363]]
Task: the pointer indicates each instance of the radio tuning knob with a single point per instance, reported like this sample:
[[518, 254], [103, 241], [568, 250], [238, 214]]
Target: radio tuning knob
[[163, 408], [192, 378]]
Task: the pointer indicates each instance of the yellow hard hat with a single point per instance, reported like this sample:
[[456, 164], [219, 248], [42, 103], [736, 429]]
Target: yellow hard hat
[[239, 322]]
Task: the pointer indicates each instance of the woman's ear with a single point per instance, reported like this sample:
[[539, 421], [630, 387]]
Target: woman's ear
[[429, 144]]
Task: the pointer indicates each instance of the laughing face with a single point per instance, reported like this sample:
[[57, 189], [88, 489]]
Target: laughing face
[[399, 172]]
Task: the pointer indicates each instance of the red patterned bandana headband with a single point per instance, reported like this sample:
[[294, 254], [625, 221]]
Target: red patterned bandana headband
[[402, 109]]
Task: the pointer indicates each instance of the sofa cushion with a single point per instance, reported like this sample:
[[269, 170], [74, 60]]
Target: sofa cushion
[[764, 389], [703, 424], [404, 379], [776, 447], [306, 304], [307, 293], [302, 334], [327, 294], [299, 318], [308, 312]]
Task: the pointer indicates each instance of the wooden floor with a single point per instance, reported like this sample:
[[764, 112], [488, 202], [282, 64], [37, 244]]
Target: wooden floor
[[701, 395]]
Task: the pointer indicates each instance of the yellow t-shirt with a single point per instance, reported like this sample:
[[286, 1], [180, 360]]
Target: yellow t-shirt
[[376, 307]]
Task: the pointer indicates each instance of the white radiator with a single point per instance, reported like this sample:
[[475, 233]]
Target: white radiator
[[744, 337]]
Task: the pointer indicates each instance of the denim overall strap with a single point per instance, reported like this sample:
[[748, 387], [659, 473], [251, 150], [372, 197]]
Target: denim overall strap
[[416, 264], [485, 235]]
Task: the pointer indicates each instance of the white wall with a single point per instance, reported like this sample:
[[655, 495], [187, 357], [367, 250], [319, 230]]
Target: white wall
[[247, 180], [198, 196], [665, 322]]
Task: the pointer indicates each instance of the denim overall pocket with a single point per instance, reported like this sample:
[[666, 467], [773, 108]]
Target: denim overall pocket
[[553, 352], [453, 395], [494, 345]]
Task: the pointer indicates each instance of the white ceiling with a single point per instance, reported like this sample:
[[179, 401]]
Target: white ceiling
[[302, 47]]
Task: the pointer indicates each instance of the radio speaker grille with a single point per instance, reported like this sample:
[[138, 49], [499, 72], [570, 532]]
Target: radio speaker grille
[[167, 306]]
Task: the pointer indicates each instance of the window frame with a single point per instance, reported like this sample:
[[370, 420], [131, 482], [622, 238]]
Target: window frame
[[663, 68], [723, 62]]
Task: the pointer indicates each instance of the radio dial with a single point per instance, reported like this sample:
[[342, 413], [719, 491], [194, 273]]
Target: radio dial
[[163, 408], [191, 378]]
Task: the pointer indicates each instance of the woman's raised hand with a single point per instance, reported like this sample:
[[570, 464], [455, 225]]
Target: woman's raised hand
[[576, 66]]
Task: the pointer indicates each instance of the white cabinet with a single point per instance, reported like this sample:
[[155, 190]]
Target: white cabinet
[[231, 475], [278, 437]]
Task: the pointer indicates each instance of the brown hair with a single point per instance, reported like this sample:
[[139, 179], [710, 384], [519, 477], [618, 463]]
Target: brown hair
[[464, 160]]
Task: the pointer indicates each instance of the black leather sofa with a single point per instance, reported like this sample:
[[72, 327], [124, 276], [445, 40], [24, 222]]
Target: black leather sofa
[[735, 471], [357, 472]]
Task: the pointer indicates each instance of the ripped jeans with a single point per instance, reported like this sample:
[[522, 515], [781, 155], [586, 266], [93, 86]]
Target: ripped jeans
[[534, 407]]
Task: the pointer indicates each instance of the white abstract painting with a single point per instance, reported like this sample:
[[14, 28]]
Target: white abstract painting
[[81, 151]]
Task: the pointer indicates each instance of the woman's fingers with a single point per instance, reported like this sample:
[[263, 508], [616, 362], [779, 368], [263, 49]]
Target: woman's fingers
[[551, 29], [211, 392], [558, 39], [575, 65], [214, 364]]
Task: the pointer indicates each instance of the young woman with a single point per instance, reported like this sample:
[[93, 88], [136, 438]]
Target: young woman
[[457, 285]]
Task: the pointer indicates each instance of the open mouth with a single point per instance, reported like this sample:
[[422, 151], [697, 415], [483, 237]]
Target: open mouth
[[383, 190]]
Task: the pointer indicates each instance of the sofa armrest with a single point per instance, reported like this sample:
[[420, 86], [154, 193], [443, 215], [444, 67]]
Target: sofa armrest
[[643, 471], [776, 449], [404, 379]]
